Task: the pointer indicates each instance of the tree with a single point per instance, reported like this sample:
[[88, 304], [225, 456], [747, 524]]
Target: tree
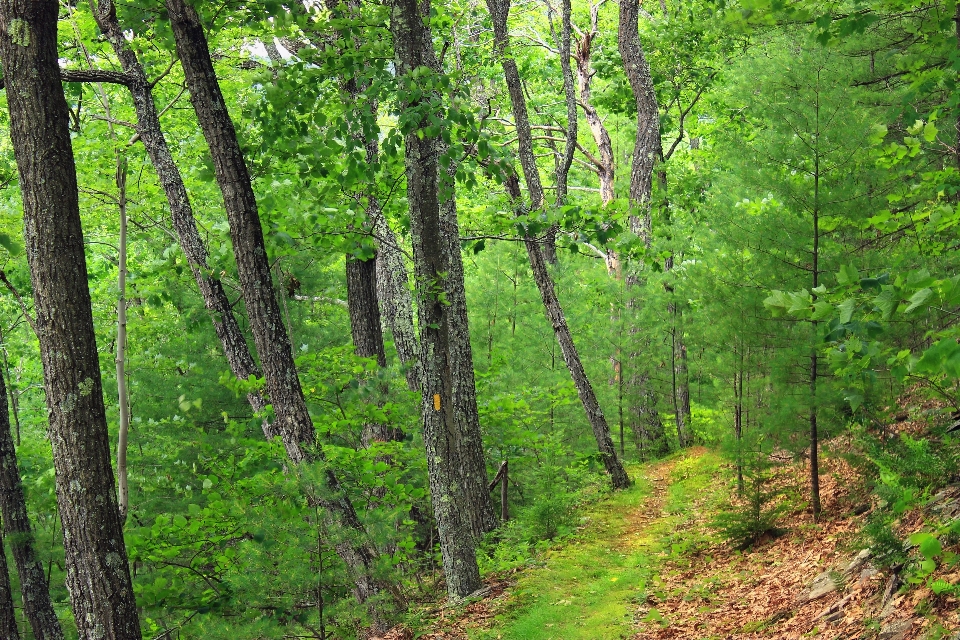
[[293, 422], [441, 431], [97, 573], [19, 533], [499, 11]]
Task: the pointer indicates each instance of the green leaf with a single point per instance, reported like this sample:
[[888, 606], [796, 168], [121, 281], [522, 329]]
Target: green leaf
[[848, 275], [918, 299], [846, 310], [11, 245]]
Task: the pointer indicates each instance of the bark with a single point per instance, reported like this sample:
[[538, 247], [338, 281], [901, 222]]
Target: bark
[[473, 471], [441, 435], [551, 304], [8, 615], [605, 163], [646, 148], [570, 97], [16, 527], [366, 331], [293, 422], [396, 302], [123, 404], [241, 361], [466, 416], [499, 11], [283, 386], [97, 574], [570, 146]]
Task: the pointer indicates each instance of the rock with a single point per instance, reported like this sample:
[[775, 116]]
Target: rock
[[867, 572], [857, 563], [895, 630], [835, 611], [893, 583], [822, 585], [890, 607]]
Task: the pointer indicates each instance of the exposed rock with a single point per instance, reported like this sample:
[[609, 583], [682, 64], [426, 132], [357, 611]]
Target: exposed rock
[[890, 607], [822, 585], [858, 563], [895, 630], [893, 583], [835, 611]]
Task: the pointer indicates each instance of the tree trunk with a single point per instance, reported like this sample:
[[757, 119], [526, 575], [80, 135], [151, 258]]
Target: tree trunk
[[241, 361], [601, 431], [570, 146], [441, 435], [98, 576], [646, 148], [16, 527], [293, 422], [473, 468], [483, 516], [396, 302], [8, 615], [123, 402], [499, 11], [605, 164]]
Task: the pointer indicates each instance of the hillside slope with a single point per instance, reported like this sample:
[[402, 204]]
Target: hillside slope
[[645, 564]]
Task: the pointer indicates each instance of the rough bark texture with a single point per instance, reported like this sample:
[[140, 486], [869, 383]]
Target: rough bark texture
[[499, 10], [473, 469], [366, 331], [364, 311], [551, 304], [98, 576], [8, 615], [646, 148], [235, 347], [16, 527], [441, 435], [293, 422], [570, 97], [273, 345], [396, 301]]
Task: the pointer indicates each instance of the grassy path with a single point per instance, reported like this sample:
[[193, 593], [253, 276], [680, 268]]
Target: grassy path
[[589, 588]]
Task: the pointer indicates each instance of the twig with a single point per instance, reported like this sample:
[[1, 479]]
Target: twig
[[23, 307]]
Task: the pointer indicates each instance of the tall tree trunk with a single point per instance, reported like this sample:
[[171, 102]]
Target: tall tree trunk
[[814, 436], [293, 422], [571, 357], [646, 148], [441, 435], [481, 510], [646, 151], [241, 361], [396, 302], [366, 331], [473, 469], [8, 615], [123, 401], [16, 527], [98, 576], [570, 146], [499, 11]]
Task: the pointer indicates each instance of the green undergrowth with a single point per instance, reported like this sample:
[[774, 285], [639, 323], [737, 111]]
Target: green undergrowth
[[589, 585]]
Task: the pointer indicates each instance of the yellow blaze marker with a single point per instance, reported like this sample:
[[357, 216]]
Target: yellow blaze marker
[[436, 402]]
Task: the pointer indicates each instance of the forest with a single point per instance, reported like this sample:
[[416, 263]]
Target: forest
[[321, 319]]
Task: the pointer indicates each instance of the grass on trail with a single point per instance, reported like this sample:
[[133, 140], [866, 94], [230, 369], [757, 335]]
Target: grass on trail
[[589, 588]]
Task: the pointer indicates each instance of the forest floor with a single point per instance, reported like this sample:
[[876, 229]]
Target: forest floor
[[646, 564]]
